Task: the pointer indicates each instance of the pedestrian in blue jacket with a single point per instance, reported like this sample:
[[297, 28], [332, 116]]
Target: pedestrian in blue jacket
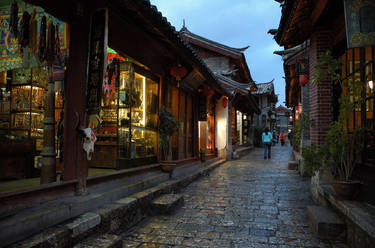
[[267, 141]]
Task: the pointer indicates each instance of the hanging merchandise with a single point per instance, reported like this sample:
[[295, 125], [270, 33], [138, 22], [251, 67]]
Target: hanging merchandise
[[97, 60], [42, 39], [24, 35], [33, 43], [111, 79], [51, 43], [58, 56], [13, 25]]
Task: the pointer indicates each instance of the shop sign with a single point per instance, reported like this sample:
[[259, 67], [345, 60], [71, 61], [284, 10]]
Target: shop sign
[[360, 22], [202, 108], [97, 60]]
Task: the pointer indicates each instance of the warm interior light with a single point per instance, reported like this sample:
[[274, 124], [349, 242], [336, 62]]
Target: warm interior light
[[144, 101], [371, 84]]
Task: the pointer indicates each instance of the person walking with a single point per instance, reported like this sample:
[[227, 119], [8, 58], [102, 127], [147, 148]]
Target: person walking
[[267, 141], [282, 138]]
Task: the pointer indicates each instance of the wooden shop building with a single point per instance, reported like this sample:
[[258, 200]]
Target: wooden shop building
[[123, 61]]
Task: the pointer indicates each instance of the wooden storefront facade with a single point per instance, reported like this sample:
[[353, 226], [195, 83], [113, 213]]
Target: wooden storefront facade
[[128, 136]]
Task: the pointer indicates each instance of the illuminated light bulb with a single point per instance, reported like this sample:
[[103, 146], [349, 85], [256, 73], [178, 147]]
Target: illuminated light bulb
[[371, 84]]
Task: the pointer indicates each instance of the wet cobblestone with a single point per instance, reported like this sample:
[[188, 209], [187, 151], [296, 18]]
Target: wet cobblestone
[[250, 202]]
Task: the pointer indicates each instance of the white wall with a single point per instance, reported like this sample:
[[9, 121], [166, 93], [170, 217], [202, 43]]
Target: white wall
[[221, 125]]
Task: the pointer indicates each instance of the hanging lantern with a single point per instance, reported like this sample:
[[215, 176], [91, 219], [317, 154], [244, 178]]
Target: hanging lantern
[[208, 92], [303, 71], [253, 88], [178, 72], [303, 79], [224, 102]]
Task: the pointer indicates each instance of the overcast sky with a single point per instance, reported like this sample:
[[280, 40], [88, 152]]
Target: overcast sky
[[235, 23]]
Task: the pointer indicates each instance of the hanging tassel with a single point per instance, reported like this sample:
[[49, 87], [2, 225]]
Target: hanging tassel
[[42, 39], [57, 44], [24, 38], [13, 25], [33, 33], [51, 41]]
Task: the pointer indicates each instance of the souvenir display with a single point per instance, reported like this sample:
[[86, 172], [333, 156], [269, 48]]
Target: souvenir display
[[27, 102], [129, 118]]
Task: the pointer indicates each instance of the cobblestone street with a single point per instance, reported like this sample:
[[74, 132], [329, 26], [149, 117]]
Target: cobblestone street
[[250, 202]]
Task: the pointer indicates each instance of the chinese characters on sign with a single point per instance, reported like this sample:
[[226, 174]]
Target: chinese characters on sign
[[360, 22], [97, 60]]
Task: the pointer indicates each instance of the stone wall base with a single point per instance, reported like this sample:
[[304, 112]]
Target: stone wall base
[[359, 216]]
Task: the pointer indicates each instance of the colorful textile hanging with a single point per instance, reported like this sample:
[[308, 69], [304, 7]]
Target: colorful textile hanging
[[109, 87], [10, 54]]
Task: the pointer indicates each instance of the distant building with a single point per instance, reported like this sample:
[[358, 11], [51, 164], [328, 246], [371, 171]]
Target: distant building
[[229, 66], [266, 99], [283, 119]]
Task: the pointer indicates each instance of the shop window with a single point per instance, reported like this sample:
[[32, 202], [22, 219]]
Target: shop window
[[22, 106], [358, 71], [129, 119], [239, 127], [138, 108]]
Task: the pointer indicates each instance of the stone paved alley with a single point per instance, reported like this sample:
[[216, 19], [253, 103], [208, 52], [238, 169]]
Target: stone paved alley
[[250, 202]]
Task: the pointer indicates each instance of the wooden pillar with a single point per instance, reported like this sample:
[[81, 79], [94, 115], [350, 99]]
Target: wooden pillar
[[196, 126], [75, 162], [320, 96], [48, 171], [229, 134]]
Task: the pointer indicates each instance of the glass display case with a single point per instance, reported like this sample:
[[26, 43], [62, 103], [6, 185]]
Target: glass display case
[[27, 102], [22, 106], [129, 120]]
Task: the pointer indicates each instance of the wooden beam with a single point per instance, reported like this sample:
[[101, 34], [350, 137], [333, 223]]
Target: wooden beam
[[128, 38], [319, 7]]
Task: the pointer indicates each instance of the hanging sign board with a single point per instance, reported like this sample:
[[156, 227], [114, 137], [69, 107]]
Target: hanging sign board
[[97, 60], [360, 22]]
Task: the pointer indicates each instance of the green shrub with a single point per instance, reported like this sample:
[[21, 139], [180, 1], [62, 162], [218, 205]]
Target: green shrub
[[313, 158]]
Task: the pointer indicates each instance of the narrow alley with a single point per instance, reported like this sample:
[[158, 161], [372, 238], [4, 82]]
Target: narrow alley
[[250, 202]]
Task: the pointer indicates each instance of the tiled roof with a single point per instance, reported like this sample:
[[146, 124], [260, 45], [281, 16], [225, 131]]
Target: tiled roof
[[236, 51], [232, 85], [265, 88], [291, 52], [164, 25]]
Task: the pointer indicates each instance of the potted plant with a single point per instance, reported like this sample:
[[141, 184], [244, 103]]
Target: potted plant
[[168, 124], [202, 154], [342, 148], [342, 152]]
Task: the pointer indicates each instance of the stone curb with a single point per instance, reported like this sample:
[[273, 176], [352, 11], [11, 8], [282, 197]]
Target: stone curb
[[110, 218]]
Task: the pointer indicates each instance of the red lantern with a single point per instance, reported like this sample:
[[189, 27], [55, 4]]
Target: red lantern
[[303, 79], [208, 92], [178, 72], [253, 88], [224, 102]]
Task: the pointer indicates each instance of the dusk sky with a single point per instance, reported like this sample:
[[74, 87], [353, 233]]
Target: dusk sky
[[236, 23]]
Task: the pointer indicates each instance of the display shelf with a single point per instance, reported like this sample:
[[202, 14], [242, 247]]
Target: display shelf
[[127, 115], [27, 101], [27, 111]]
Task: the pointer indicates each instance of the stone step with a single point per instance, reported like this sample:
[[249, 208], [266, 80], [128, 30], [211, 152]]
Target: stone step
[[102, 241], [165, 204], [112, 213], [30, 222], [325, 223], [292, 165]]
